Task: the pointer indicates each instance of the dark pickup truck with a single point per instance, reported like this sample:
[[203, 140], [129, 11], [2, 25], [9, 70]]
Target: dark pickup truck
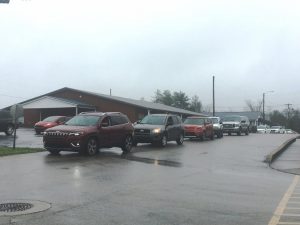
[[6, 122]]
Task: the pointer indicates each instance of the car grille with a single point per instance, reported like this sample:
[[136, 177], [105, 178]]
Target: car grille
[[57, 134], [141, 131], [228, 125]]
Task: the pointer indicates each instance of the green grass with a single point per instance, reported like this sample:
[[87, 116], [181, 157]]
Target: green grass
[[10, 151]]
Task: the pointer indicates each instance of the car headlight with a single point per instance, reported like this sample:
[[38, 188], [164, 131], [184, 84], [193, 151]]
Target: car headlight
[[156, 131], [76, 134]]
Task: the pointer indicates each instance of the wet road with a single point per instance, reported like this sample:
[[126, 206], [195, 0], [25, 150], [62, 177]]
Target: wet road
[[212, 182]]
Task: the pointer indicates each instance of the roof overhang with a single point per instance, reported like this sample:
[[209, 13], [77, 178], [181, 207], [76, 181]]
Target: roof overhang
[[48, 102]]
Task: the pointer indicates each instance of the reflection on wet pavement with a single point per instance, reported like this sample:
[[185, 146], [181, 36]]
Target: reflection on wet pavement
[[151, 161]]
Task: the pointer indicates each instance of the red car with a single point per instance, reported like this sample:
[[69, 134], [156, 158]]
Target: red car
[[48, 122], [198, 127], [87, 132]]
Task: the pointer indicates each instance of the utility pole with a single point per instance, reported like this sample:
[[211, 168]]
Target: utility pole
[[110, 91], [213, 95], [263, 108], [288, 106]]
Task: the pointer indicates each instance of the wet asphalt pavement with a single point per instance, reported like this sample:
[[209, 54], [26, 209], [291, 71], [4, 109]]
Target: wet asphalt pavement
[[213, 182]]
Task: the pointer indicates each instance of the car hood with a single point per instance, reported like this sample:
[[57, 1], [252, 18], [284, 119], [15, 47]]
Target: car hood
[[44, 123], [67, 128], [148, 126], [192, 126], [231, 122]]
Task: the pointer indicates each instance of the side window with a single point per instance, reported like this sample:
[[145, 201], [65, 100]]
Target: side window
[[175, 119], [170, 121], [106, 122], [117, 120]]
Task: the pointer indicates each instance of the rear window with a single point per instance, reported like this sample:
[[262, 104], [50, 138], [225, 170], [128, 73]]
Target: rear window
[[83, 120], [194, 121], [51, 119]]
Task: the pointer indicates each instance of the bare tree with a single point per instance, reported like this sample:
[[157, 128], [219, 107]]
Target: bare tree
[[254, 107]]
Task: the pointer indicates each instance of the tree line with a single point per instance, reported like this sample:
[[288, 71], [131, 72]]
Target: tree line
[[178, 99]]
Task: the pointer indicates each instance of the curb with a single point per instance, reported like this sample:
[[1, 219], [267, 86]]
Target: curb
[[274, 154]]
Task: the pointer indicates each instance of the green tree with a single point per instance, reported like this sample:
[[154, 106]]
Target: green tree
[[195, 104], [180, 100], [278, 118], [164, 97]]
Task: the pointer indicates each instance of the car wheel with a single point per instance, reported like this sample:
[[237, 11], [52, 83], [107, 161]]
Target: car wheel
[[127, 145], [180, 139], [229, 133], [212, 136], [91, 147], [54, 151], [202, 136], [9, 130], [239, 132], [247, 132], [163, 141]]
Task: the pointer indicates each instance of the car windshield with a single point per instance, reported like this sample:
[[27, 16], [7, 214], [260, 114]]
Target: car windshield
[[50, 119], [155, 120], [83, 120], [232, 118], [196, 121], [215, 120]]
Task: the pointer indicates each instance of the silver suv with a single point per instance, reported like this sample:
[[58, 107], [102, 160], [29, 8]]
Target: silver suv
[[236, 124], [218, 126]]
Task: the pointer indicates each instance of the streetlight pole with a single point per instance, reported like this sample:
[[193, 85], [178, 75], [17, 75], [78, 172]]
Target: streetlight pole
[[264, 104], [214, 96]]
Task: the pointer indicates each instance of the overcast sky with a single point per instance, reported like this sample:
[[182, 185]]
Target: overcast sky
[[135, 47]]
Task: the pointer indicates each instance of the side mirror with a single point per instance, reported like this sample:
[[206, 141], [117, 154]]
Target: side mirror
[[221, 122], [104, 124], [138, 122]]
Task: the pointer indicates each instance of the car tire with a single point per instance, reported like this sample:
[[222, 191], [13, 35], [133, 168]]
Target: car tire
[[202, 137], [128, 143], [229, 133], [180, 139], [212, 136], [163, 141], [239, 132], [91, 147], [54, 151], [247, 131], [9, 130]]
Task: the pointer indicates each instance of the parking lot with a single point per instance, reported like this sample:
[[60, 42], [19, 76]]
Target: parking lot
[[224, 181]]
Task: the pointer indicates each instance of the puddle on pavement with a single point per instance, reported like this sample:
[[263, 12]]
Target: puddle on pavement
[[152, 161]]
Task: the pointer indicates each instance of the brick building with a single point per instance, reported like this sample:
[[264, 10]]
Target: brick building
[[70, 102]]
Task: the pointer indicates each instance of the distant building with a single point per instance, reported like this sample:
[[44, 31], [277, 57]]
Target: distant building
[[70, 102]]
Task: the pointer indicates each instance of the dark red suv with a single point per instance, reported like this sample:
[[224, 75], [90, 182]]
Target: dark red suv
[[87, 132]]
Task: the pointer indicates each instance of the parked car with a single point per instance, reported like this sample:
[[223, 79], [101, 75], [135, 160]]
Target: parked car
[[218, 126], [198, 127], [262, 128], [159, 129], [48, 122], [276, 130], [87, 132], [6, 122], [289, 131], [236, 124]]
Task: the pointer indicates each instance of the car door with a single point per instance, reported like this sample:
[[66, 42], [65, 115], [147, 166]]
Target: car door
[[170, 128], [105, 132], [177, 127], [117, 134]]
